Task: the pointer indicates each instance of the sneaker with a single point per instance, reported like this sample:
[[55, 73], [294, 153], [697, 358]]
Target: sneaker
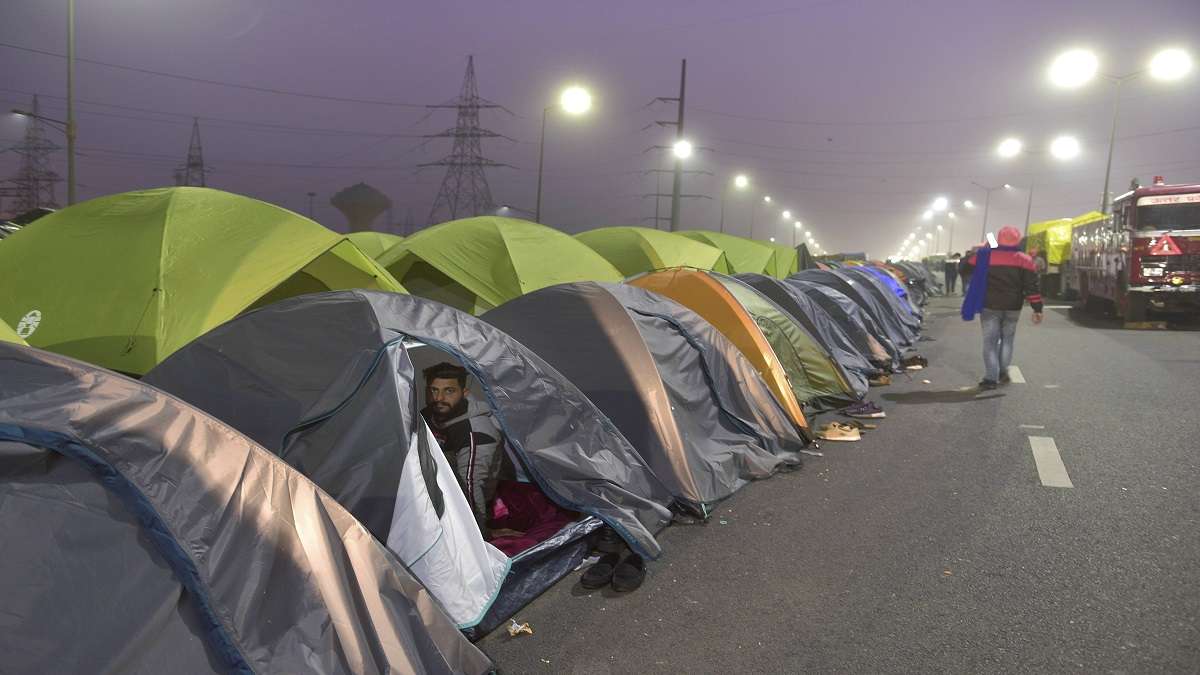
[[836, 431], [987, 385], [630, 574], [601, 573], [1004, 378], [865, 409]]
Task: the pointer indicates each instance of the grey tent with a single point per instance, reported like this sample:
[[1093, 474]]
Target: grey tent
[[684, 396], [328, 382], [883, 314], [876, 288], [143, 536], [856, 365], [893, 291], [859, 325]]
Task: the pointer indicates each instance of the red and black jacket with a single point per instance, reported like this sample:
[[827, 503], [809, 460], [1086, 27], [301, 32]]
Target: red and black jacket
[[1012, 279]]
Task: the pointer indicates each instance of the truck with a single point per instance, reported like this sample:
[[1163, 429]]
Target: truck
[[1049, 244], [1145, 257]]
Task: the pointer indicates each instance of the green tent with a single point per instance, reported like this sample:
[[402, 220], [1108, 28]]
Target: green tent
[[634, 250], [7, 334], [743, 255], [374, 243], [124, 280], [475, 264], [785, 263], [814, 377]]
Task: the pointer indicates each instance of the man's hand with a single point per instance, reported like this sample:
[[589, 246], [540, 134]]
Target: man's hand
[[1037, 318]]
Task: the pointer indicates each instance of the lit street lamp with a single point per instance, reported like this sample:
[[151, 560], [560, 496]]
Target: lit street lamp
[[1009, 147], [1062, 148], [739, 182], [1074, 68], [682, 149], [574, 100], [940, 204]]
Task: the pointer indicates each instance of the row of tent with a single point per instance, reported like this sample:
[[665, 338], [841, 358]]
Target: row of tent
[[623, 403]]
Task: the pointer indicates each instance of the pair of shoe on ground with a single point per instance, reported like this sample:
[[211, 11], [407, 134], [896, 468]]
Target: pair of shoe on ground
[[839, 431], [987, 384], [625, 575]]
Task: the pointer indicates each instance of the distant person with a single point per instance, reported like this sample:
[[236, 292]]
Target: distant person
[[951, 269], [1001, 280], [467, 434]]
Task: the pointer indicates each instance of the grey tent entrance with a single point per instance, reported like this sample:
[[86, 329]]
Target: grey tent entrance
[[666, 379], [327, 382], [144, 536]]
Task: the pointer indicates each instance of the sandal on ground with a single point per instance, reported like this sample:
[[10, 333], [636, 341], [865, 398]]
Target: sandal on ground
[[600, 574]]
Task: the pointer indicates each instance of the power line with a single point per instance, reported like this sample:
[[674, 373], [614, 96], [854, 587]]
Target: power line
[[268, 126], [221, 83]]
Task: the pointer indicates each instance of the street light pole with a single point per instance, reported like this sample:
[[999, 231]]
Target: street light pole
[[70, 102], [537, 210], [1112, 141], [1029, 205]]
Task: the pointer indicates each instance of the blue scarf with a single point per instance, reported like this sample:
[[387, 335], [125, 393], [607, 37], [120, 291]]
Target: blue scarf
[[977, 289]]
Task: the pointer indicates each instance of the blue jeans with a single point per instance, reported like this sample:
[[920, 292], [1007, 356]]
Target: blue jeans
[[999, 333]]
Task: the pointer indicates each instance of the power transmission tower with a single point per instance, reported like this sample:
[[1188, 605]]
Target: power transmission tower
[[33, 185], [464, 191], [677, 183], [192, 171]]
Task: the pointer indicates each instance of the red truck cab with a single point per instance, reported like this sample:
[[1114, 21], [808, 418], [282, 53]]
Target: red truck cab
[[1146, 256]]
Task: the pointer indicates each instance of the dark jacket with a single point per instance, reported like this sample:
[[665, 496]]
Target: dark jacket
[[473, 445], [1012, 279], [950, 267]]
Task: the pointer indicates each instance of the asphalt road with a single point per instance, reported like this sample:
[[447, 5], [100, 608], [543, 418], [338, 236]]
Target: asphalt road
[[932, 545]]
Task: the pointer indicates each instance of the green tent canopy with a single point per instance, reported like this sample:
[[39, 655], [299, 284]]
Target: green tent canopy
[[475, 264], [785, 263], [7, 334], [374, 243], [742, 255], [811, 371], [634, 250], [123, 281]]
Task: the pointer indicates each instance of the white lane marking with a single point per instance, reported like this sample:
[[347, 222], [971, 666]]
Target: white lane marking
[[1053, 386], [1057, 307], [1051, 470], [1032, 426], [1015, 374]]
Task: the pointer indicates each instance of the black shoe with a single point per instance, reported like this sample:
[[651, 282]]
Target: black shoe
[[630, 574], [1004, 378], [987, 385], [600, 574], [608, 541]]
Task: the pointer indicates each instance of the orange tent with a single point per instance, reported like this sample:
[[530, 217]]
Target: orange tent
[[705, 296]]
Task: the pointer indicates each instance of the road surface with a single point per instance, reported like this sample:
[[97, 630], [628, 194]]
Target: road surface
[[945, 541]]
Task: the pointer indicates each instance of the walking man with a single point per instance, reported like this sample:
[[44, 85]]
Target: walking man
[[951, 269], [1002, 279]]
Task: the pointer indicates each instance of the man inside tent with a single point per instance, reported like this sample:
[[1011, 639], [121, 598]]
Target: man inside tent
[[512, 512], [468, 435]]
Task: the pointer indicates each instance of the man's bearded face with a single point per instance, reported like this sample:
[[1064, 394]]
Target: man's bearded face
[[444, 394]]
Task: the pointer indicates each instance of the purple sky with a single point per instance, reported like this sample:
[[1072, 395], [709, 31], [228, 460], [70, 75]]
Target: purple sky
[[854, 114]]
